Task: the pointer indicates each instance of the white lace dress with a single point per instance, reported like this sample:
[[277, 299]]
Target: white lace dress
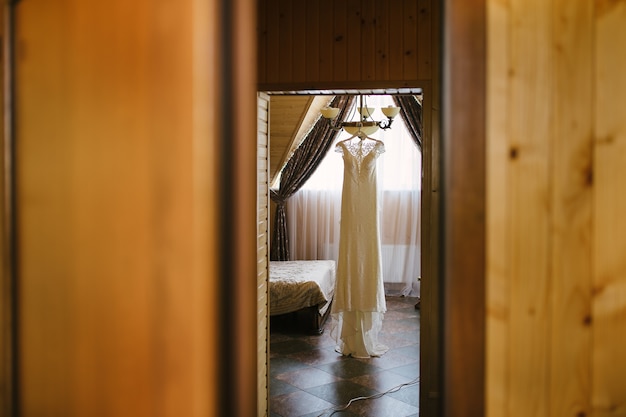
[[359, 303]]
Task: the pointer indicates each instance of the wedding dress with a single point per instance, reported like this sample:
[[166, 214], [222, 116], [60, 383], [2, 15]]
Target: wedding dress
[[359, 302]]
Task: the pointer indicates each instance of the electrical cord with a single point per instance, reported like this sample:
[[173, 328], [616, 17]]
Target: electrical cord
[[333, 410]]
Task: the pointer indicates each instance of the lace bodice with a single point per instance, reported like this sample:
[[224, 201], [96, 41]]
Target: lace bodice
[[360, 148]]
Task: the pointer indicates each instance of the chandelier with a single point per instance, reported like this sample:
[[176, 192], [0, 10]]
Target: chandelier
[[366, 125]]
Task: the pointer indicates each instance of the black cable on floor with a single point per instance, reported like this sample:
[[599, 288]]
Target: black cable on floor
[[333, 410]]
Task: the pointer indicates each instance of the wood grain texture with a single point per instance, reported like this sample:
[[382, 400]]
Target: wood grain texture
[[609, 241], [262, 37], [382, 40], [313, 44], [367, 41], [498, 296], [286, 36], [395, 55], [363, 42], [425, 37], [411, 48], [289, 112], [353, 36], [271, 62], [326, 49], [556, 265], [572, 201], [530, 133], [298, 68], [341, 35]]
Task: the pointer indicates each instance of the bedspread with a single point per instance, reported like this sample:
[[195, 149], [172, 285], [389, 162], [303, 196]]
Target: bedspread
[[299, 284]]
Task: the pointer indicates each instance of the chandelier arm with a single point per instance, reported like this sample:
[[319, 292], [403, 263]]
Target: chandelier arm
[[335, 124], [385, 124]]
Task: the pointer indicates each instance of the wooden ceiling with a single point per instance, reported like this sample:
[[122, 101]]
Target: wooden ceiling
[[291, 117]]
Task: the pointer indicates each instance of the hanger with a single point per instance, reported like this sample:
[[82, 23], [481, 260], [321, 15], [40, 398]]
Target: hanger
[[362, 136]]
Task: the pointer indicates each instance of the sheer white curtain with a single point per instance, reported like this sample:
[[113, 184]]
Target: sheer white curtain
[[314, 211]]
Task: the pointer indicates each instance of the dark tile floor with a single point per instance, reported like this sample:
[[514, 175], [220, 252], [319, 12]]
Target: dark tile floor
[[308, 378]]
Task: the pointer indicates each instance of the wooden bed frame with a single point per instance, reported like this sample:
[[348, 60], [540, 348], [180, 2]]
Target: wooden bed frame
[[294, 286], [306, 320]]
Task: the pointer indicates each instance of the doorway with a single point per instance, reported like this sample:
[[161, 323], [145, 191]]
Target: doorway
[[429, 314]]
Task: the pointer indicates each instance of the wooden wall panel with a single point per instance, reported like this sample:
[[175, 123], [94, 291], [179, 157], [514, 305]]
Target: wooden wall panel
[[424, 39], [270, 40], [354, 52], [262, 37], [395, 58], [367, 47], [609, 263], [286, 34], [299, 32], [339, 17], [409, 40], [382, 41], [312, 45], [263, 255], [557, 148], [326, 44], [498, 296], [351, 43], [530, 134], [571, 202]]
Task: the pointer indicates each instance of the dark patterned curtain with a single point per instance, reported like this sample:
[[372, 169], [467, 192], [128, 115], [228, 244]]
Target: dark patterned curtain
[[411, 112], [299, 168]]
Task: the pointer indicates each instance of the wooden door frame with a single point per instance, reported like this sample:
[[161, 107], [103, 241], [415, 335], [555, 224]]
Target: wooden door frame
[[463, 252], [8, 273]]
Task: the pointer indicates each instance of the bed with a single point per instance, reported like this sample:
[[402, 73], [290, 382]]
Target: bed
[[302, 290]]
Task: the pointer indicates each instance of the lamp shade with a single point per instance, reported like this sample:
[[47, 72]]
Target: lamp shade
[[366, 111], [367, 130], [330, 112], [390, 111]]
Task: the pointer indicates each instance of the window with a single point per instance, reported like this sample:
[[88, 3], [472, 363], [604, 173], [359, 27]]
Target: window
[[314, 211], [397, 167]]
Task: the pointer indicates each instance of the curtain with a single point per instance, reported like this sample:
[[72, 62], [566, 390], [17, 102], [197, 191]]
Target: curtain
[[298, 169], [411, 114], [315, 209]]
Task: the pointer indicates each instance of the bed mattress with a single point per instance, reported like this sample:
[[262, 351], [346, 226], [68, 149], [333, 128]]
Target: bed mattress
[[295, 285]]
